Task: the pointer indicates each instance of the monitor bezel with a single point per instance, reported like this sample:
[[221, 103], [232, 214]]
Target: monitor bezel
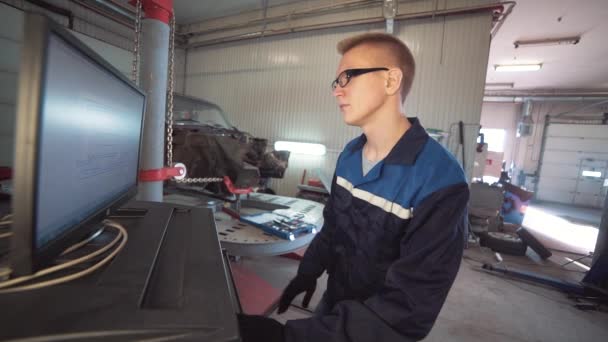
[[25, 257]]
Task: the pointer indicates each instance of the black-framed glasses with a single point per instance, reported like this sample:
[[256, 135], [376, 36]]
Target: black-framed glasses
[[345, 76]]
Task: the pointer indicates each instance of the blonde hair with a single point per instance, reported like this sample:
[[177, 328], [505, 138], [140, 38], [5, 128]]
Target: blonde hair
[[394, 46]]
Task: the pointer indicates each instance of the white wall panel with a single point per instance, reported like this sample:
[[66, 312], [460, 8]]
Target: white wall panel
[[563, 171], [560, 184], [556, 195], [7, 127], [578, 131], [9, 59], [584, 143], [527, 150], [180, 70], [563, 157], [278, 87], [8, 120], [590, 186], [586, 200], [581, 143], [8, 91]]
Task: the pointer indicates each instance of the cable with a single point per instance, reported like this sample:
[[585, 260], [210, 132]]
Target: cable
[[122, 234], [5, 235], [61, 266], [83, 242], [6, 221]]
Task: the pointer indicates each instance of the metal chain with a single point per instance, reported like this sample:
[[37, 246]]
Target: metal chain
[[136, 43], [170, 88], [170, 92], [200, 180]]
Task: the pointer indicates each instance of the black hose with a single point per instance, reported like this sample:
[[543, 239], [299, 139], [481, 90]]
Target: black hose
[[461, 133]]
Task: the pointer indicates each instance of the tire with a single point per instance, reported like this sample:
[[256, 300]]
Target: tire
[[503, 243], [531, 241]]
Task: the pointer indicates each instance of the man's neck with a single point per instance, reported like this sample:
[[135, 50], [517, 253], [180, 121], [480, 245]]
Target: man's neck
[[383, 134]]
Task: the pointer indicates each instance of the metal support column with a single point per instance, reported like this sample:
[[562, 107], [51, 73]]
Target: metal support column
[[153, 79], [602, 237]]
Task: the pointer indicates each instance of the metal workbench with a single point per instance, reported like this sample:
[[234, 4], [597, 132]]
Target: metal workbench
[[242, 239]]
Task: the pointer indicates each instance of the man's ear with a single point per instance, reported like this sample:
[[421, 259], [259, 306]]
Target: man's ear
[[393, 81]]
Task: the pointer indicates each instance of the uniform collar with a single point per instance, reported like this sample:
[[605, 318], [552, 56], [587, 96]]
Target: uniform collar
[[407, 148]]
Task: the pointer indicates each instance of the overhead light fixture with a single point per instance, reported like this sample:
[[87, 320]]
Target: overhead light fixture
[[300, 148], [498, 85], [547, 42], [517, 67]]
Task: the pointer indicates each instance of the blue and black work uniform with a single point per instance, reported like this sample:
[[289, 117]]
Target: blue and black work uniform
[[391, 243]]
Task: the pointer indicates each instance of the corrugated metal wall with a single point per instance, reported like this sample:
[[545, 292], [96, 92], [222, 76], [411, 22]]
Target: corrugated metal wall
[[278, 87], [10, 42], [11, 36], [180, 70], [292, 17], [86, 22]]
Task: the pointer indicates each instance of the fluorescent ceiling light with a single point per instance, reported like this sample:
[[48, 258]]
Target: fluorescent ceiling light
[[594, 174], [517, 67], [499, 85], [547, 41], [300, 148]]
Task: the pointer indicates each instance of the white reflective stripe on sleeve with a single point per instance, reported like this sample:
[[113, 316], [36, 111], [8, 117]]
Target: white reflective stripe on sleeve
[[384, 204]]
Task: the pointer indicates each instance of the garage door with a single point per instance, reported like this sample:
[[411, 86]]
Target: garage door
[[574, 165]]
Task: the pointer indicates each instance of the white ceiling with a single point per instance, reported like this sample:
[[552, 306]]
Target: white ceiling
[[580, 66]]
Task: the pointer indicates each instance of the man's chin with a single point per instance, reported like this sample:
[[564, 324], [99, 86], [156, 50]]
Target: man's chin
[[351, 121]]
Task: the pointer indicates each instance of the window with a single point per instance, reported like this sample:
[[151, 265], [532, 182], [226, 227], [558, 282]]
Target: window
[[594, 174], [495, 138]]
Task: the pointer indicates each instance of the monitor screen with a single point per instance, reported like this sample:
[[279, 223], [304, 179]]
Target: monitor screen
[[89, 136]]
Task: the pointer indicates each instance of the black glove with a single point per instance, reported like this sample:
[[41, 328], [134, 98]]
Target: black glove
[[301, 283], [260, 329]]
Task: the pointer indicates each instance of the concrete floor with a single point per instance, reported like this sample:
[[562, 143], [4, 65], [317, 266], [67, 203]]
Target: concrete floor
[[482, 306]]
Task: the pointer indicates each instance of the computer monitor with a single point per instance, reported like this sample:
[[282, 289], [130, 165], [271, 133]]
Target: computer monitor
[[78, 134]]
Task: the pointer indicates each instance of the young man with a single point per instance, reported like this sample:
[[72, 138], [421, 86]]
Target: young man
[[395, 223]]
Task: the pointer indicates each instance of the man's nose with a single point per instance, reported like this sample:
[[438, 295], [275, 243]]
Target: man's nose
[[338, 91]]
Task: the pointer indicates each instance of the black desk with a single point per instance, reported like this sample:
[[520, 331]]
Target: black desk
[[170, 280]]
